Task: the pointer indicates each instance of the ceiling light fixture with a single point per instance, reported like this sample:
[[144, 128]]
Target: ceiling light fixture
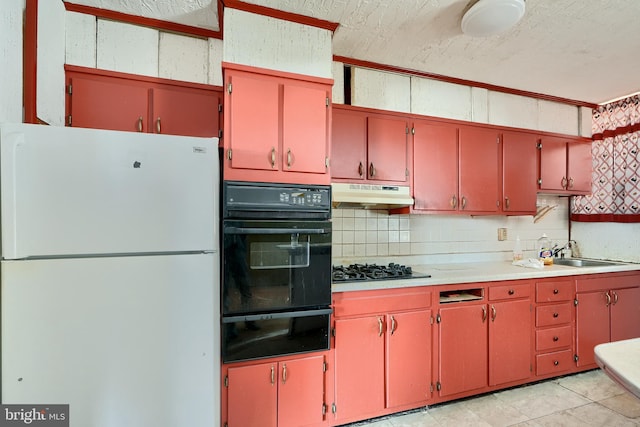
[[490, 17]]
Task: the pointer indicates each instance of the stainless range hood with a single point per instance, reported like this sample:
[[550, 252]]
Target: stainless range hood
[[370, 196]]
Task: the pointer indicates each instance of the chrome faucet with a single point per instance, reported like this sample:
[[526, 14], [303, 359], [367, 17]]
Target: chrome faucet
[[560, 250]]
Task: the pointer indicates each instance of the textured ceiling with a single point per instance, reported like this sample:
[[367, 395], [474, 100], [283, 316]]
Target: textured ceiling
[[585, 50]]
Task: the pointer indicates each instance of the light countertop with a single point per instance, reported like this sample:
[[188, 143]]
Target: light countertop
[[621, 361], [445, 274]]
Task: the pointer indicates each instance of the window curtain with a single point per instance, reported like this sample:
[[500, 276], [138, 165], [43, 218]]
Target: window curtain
[[616, 157]]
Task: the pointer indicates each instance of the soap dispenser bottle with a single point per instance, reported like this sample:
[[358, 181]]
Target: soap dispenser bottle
[[544, 250]]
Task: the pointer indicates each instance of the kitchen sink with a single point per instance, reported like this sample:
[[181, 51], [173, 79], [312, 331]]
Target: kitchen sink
[[582, 262]]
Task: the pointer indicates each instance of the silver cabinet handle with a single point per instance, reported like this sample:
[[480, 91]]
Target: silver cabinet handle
[[393, 325], [454, 201], [493, 313], [273, 375], [380, 326], [564, 182], [615, 297], [140, 124], [570, 183], [360, 169], [284, 373], [273, 157], [289, 158], [608, 297], [506, 203], [464, 202], [484, 313], [372, 170], [158, 126]]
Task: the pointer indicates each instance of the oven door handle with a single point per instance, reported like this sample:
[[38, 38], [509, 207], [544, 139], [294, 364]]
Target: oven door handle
[[269, 316], [255, 230]]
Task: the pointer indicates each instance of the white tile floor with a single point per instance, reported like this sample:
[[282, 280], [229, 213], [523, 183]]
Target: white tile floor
[[585, 399]]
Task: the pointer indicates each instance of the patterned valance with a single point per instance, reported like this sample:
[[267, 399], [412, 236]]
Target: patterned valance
[[616, 157]]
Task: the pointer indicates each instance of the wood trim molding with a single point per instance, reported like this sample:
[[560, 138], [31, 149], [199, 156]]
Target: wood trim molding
[[142, 21], [440, 77], [138, 77], [279, 14], [30, 62]]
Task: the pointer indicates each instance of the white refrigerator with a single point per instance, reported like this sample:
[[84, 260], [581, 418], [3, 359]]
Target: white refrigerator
[[110, 275]]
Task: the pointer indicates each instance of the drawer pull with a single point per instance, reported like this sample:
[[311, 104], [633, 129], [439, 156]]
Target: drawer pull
[[511, 292], [556, 363], [555, 338], [555, 291], [555, 314]]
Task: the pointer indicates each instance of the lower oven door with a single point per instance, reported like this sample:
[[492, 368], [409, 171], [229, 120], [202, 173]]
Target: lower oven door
[[276, 334], [275, 266]]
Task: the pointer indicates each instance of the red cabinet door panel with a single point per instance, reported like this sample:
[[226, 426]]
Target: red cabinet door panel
[[109, 103], [359, 366], [510, 333], [387, 149], [625, 314], [252, 123], [435, 167], [348, 144], [553, 163], [463, 349], [300, 392], [408, 357], [519, 172], [478, 170], [252, 396], [304, 132], [580, 166], [592, 325], [185, 111]]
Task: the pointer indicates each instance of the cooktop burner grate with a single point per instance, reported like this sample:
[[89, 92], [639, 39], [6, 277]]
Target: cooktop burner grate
[[362, 272]]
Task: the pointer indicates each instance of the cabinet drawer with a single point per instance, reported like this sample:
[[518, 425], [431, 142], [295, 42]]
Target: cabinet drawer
[[509, 291], [549, 339], [556, 362], [554, 291], [556, 314]]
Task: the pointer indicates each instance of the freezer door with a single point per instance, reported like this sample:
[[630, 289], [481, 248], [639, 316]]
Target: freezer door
[[126, 342], [69, 191]]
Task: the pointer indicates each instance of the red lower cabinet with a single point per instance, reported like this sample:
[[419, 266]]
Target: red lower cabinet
[[285, 393]]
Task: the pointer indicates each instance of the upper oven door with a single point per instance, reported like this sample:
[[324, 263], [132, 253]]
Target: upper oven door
[[275, 265]]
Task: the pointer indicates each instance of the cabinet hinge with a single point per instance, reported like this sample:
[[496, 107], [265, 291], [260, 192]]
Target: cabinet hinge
[[539, 146], [406, 130], [333, 332], [327, 101], [324, 409], [406, 172], [220, 133], [226, 425], [229, 88], [575, 302], [431, 387], [438, 386], [326, 162], [229, 154], [324, 366], [540, 181], [497, 140], [576, 358], [70, 89], [431, 320], [334, 409], [226, 381], [219, 108], [69, 120], [530, 367], [438, 318]]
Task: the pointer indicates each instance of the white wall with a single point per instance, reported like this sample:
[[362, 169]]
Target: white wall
[[11, 14], [361, 235]]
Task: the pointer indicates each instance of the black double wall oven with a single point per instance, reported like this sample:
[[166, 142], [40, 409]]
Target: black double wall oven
[[276, 269]]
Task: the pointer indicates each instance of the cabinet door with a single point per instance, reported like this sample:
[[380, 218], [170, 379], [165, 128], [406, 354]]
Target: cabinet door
[[108, 103], [519, 172], [185, 111], [580, 166], [387, 149], [252, 122], [348, 144], [463, 349], [592, 325], [301, 392], [478, 170], [510, 335], [252, 396], [305, 117], [408, 357], [435, 167], [359, 367], [625, 314], [553, 163]]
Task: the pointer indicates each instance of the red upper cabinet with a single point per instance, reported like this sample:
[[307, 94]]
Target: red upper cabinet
[[478, 169], [115, 101], [369, 146], [435, 166], [519, 172], [565, 165], [276, 127]]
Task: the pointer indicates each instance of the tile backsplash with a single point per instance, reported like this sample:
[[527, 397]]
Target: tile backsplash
[[375, 236]]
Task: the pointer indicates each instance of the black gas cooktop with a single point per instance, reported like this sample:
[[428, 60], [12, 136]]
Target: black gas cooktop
[[364, 272]]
